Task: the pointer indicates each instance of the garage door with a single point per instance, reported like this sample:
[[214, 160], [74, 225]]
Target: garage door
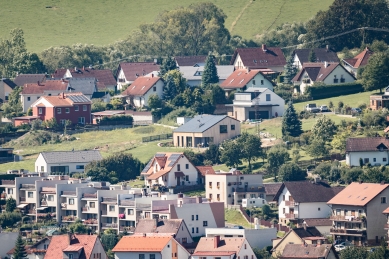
[[260, 115]]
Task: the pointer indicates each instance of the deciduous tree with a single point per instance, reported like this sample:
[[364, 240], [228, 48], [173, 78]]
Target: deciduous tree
[[376, 73], [230, 153], [291, 172], [276, 157], [250, 147], [10, 205], [324, 129]]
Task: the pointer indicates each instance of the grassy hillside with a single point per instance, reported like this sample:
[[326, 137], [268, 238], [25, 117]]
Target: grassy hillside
[[64, 22]]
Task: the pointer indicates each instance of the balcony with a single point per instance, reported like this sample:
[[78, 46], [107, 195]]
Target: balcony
[[69, 193], [69, 218], [43, 203], [127, 202], [22, 199], [90, 222], [249, 189], [347, 218], [290, 215], [348, 232], [8, 182], [290, 203], [109, 225], [109, 200], [89, 195], [126, 228], [49, 190], [27, 186], [32, 212]]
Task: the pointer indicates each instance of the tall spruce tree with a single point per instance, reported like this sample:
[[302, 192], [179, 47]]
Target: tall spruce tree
[[289, 70], [167, 64], [20, 250], [291, 125], [170, 89], [210, 72], [312, 56]]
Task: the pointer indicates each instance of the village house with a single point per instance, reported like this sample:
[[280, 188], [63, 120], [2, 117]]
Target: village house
[[139, 92], [233, 186], [205, 129], [34, 251], [85, 85], [217, 247], [359, 61], [242, 79], [271, 190], [386, 226], [127, 72], [357, 213], [301, 56], [257, 104], [22, 79], [138, 117], [367, 150], [149, 247], [296, 251], [193, 74], [75, 246], [203, 171], [327, 73], [265, 57], [170, 169], [380, 101], [65, 161], [6, 87], [304, 200], [166, 227], [299, 236], [193, 61]]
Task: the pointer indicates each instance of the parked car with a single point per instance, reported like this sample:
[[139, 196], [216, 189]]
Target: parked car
[[324, 108], [356, 110], [311, 107], [339, 248]]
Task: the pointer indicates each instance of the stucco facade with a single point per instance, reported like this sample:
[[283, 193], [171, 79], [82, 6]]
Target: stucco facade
[[373, 157]]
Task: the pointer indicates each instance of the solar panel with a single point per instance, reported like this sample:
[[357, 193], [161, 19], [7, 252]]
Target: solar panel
[[147, 167], [173, 158], [78, 98]]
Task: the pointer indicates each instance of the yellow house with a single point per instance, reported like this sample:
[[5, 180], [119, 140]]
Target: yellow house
[[203, 130]]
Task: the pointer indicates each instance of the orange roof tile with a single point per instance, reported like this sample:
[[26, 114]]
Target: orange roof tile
[[361, 59], [205, 170], [239, 78], [386, 211], [41, 88], [172, 158], [226, 246], [358, 194], [141, 243], [60, 243], [141, 85], [132, 70]]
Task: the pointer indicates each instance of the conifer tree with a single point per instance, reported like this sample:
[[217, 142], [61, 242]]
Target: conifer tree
[[312, 56], [167, 64], [210, 72], [20, 250], [291, 125], [289, 70]]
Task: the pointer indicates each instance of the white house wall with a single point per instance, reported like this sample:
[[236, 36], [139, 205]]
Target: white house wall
[[338, 72], [313, 210], [159, 91], [122, 76], [352, 158]]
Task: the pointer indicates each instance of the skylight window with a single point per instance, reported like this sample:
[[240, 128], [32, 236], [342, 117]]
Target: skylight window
[[241, 81]]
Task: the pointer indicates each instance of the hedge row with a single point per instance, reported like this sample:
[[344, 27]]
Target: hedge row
[[327, 91]]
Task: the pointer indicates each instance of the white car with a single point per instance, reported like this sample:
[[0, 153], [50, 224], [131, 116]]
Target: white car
[[339, 248], [324, 108]]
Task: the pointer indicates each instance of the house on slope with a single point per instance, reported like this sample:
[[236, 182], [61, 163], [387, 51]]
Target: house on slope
[[359, 61], [301, 56], [373, 150], [193, 74], [127, 72], [104, 77], [22, 79], [193, 61], [6, 87]]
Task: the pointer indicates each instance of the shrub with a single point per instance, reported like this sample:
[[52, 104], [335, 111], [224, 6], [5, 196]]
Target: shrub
[[327, 91]]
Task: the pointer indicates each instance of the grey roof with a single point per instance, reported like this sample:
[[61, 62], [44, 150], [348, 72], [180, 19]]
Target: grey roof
[[7, 240], [84, 85], [71, 156], [189, 72], [8, 82], [201, 123], [78, 98], [23, 79]]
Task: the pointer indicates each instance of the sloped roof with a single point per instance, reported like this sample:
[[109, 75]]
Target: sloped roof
[[22, 79], [358, 194], [318, 222], [104, 76], [272, 188], [141, 243], [307, 191], [166, 161], [85, 85], [59, 243], [308, 251], [49, 85], [59, 73], [307, 232], [240, 78], [201, 123], [164, 226], [190, 60], [63, 100], [386, 211], [322, 54], [226, 246], [71, 156], [366, 144], [136, 69], [141, 86], [190, 72], [317, 72], [258, 58], [9, 82], [204, 170], [361, 59]]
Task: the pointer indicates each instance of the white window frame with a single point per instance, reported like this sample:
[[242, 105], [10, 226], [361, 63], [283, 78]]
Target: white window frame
[[59, 110]]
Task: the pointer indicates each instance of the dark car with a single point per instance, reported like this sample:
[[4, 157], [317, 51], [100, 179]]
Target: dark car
[[356, 110]]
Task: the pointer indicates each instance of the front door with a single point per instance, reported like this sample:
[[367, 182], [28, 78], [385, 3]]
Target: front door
[[178, 181]]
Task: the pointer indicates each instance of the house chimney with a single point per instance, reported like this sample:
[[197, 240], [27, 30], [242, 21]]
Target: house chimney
[[70, 237], [264, 49], [63, 95], [248, 70], [75, 69], [144, 234], [305, 226], [382, 182], [152, 75], [216, 240], [256, 223], [325, 64], [38, 83], [328, 48], [83, 67]]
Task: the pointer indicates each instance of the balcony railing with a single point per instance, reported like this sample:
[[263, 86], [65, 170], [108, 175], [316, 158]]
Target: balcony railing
[[110, 200], [27, 186], [90, 222], [69, 218], [89, 195], [69, 193], [250, 189], [127, 202], [126, 228], [31, 211], [289, 203], [290, 216], [7, 182], [109, 225], [48, 190], [22, 199], [43, 203], [361, 232], [346, 218]]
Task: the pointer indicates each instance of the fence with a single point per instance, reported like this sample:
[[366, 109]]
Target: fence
[[157, 137]]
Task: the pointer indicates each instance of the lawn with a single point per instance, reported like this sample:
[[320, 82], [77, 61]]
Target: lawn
[[49, 23], [236, 218], [108, 142]]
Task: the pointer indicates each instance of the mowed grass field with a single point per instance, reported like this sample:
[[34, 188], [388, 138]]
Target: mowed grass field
[[108, 142], [49, 23]]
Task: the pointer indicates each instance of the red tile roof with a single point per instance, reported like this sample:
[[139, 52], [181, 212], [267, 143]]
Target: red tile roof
[[225, 246], [161, 159], [141, 86], [366, 144], [59, 73], [189, 60], [308, 251], [23, 79], [164, 226], [258, 58], [136, 69], [358, 194], [204, 170], [239, 78], [142, 243], [361, 59], [49, 85], [60, 243], [386, 211], [104, 76], [68, 100]]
